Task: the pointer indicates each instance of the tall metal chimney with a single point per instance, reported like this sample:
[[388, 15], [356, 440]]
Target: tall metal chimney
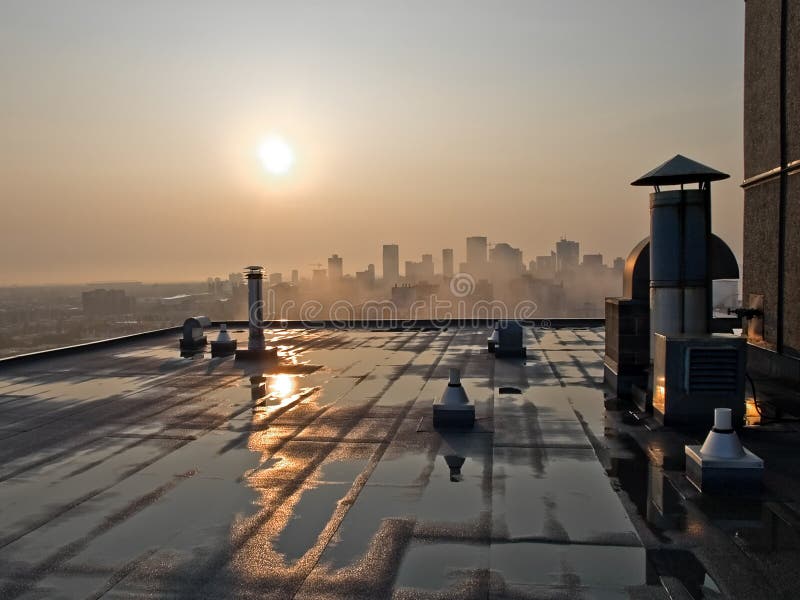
[[680, 242], [255, 298]]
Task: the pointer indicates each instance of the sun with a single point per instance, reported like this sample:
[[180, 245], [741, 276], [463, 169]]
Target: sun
[[276, 155]]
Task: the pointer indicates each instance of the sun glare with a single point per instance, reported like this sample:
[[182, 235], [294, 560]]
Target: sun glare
[[276, 155], [282, 385]]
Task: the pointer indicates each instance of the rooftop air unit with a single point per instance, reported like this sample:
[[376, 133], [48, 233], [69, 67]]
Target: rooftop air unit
[[694, 374]]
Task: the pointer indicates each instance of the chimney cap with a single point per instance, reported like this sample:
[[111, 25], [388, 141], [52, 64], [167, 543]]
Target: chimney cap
[[679, 170]]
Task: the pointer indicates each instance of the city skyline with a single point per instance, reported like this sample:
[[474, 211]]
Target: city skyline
[[277, 131]]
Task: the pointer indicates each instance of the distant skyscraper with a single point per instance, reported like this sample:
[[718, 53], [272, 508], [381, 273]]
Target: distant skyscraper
[[420, 271], [427, 267], [366, 278], [476, 255], [506, 261], [319, 276], [476, 250], [546, 266], [593, 260], [275, 278], [295, 276], [335, 270], [391, 263], [567, 254], [447, 262]]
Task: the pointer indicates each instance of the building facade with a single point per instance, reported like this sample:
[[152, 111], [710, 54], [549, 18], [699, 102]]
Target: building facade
[[391, 263], [335, 268], [771, 265], [447, 262]]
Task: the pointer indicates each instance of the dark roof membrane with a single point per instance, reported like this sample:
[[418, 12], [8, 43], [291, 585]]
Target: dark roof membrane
[[680, 170]]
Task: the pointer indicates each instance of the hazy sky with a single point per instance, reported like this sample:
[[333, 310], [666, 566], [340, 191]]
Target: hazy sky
[[129, 130]]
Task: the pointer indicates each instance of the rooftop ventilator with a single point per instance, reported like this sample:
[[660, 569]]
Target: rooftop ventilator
[[722, 463], [224, 345], [454, 409], [693, 370], [256, 346], [194, 337]]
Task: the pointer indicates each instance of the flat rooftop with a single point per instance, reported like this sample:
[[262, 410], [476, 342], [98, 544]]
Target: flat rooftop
[[127, 471]]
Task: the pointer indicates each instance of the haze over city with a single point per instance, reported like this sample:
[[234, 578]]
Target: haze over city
[[400, 299], [134, 133]]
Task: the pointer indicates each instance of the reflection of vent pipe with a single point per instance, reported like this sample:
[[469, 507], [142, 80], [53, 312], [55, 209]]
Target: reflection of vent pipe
[[255, 297], [454, 463], [680, 241]]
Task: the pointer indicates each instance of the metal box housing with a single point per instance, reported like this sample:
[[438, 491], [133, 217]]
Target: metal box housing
[[694, 374]]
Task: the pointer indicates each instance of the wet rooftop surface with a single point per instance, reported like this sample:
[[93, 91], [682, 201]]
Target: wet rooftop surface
[[129, 472]]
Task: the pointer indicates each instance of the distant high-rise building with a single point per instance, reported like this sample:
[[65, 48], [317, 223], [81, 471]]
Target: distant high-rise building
[[619, 264], [567, 254], [546, 266], [476, 254], [403, 296], [593, 260], [319, 276], [447, 262], [295, 276], [410, 270], [420, 271], [366, 278], [391, 263], [275, 278], [427, 267], [235, 279], [506, 261], [215, 286], [335, 270]]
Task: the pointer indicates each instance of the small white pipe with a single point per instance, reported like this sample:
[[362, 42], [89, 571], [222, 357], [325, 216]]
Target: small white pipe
[[723, 419]]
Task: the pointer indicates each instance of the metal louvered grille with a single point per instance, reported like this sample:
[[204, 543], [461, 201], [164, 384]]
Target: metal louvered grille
[[712, 370]]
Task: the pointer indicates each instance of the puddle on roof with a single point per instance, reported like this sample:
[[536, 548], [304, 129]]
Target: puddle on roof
[[589, 402], [401, 467], [159, 352], [684, 566], [570, 568], [770, 530], [374, 515], [656, 499], [456, 488], [433, 566], [764, 527], [309, 517], [315, 504], [89, 388], [543, 493]]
